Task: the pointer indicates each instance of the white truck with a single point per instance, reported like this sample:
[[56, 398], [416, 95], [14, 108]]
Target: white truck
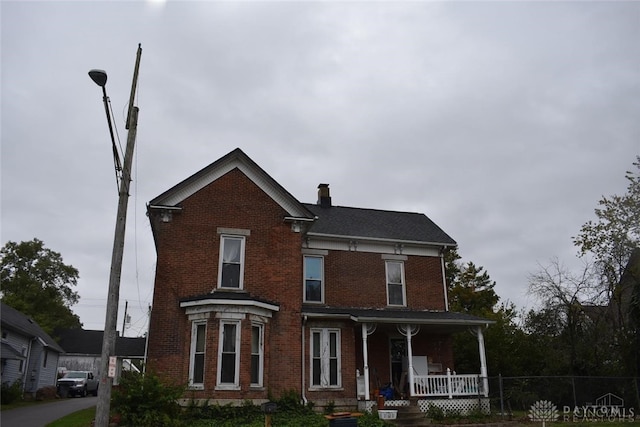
[[79, 383]]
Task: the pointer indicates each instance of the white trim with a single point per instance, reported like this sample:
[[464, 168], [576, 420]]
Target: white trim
[[192, 354], [321, 242], [402, 279], [325, 367], [259, 177], [390, 257], [258, 308], [260, 327], [304, 279], [318, 252], [234, 231], [224, 238], [236, 380], [380, 239]]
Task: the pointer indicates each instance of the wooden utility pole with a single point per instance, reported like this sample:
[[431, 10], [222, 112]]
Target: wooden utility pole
[[110, 324]]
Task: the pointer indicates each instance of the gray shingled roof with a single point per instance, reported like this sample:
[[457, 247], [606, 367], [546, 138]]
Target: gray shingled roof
[[377, 224], [18, 321]]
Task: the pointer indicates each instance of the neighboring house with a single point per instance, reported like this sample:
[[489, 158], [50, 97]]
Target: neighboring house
[[83, 350], [257, 294], [29, 354]]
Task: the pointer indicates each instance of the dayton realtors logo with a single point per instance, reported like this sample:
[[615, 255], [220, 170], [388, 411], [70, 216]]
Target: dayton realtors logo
[[608, 407]]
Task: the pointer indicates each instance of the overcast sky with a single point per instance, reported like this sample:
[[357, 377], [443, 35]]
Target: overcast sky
[[504, 122]]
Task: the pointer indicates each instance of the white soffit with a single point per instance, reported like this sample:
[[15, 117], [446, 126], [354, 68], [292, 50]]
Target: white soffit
[[261, 179]]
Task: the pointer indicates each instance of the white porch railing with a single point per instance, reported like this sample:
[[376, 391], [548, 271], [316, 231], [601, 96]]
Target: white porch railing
[[449, 385]]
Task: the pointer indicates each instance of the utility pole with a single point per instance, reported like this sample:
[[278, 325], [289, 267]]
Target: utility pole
[[107, 371]]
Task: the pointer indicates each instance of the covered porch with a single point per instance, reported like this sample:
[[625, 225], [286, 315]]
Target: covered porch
[[407, 355]]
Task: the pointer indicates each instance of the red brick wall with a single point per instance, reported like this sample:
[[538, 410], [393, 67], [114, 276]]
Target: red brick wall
[[187, 266], [358, 279]]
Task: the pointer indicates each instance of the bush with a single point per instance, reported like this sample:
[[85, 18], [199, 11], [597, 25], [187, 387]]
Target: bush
[[47, 393], [11, 392], [435, 413], [144, 401]]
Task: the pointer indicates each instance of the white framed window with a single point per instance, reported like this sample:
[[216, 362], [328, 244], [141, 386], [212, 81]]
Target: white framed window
[[396, 294], [231, 270], [313, 278], [197, 354], [257, 354], [325, 358], [229, 355]]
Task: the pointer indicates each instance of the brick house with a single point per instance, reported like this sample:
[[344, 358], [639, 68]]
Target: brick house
[[257, 293]]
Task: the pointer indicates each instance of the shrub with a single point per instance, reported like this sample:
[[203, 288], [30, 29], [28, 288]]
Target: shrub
[[47, 393], [435, 413], [144, 401], [11, 392]]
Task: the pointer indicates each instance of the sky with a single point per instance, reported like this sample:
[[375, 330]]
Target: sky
[[503, 122]]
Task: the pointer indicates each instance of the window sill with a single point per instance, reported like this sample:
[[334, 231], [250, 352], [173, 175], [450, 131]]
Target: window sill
[[334, 388], [230, 387], [255, 387], [196, 387]]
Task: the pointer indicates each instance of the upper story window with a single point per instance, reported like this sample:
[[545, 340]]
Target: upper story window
[[231, 271], [396, 294], [313, 278]]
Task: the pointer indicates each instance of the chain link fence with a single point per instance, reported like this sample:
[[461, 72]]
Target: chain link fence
[[514, 394]]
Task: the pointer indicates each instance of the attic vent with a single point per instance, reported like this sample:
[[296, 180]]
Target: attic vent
[[324, 199]]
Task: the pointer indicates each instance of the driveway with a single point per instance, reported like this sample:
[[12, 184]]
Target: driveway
[[44, 413]]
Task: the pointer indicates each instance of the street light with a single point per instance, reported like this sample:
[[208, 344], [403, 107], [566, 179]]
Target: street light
[[100, 78], [107, 372]]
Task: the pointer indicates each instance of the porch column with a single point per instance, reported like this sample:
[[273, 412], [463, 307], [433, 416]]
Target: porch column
[[367, 329], [483, 362], [412, 385]]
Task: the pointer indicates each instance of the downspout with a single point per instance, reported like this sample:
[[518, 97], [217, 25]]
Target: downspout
[[444, 281], [304, 397]]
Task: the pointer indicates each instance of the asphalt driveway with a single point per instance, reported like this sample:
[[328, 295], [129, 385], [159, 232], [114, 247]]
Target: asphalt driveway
[[44, 413]]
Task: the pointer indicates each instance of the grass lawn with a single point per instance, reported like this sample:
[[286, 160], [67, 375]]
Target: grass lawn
[[81, 418]]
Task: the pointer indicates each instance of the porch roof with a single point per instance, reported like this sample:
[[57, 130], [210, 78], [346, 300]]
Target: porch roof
[[443, 321]]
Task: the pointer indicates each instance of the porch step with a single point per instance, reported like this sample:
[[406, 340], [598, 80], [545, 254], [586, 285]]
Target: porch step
[[410, 416]]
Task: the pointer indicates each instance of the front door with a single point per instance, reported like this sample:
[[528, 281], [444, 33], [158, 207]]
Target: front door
[[398, 358]]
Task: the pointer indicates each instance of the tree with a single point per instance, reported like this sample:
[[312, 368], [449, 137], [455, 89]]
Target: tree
[[36, 282], [616, 233], [471, 291], [572, 313]]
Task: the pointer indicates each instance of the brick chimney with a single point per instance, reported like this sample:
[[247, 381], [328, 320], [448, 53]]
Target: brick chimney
[[324, 199]]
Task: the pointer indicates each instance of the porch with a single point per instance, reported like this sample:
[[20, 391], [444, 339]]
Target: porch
[[419, 376], [449, 385]]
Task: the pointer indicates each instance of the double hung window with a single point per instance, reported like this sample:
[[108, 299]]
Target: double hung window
[[229, 354], [325, 358], [196, 360], [257, 354], [313, 279], [231, 271], [395, 283]]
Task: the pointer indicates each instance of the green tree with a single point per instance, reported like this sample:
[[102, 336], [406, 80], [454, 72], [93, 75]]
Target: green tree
[[35, 281], [611, 241], [471, 291], [615, 234]]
